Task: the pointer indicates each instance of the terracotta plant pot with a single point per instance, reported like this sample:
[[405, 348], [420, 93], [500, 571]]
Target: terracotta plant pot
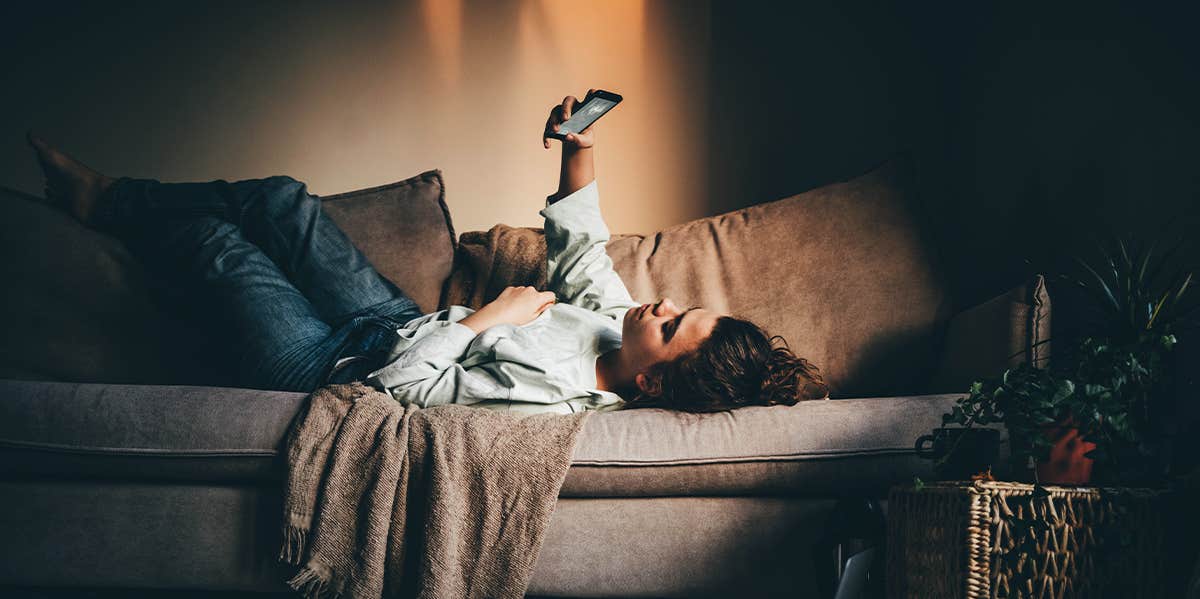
[[1066, 464]]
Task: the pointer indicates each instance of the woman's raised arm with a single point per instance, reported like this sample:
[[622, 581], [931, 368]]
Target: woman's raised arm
[[578, 268], [577, 167]]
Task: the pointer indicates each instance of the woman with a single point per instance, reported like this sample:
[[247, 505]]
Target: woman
[[299, 306]]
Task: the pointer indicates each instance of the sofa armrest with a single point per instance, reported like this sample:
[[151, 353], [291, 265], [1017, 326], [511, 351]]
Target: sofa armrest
[[1000, 333]]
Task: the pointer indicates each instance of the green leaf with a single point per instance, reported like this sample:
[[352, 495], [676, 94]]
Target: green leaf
[[1145, 259], [1107, 292], [1182, 289], [1154, 313], [1164, 260], [958, 415], [1124, 254], [1064, 389]]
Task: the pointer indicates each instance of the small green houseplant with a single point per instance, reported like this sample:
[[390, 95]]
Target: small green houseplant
[[1028, 401]]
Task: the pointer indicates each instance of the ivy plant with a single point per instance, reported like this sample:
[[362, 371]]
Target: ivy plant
[[1026, 400]]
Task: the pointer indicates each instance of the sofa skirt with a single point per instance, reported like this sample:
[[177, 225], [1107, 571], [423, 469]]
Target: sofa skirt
[[139, 535]]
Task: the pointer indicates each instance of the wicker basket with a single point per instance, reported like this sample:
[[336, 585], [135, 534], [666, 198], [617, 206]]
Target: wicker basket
[[958, 540]]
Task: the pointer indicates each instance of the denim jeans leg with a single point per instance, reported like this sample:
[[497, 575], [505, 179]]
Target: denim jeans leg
[[272, 336], [311, 254], [278, 215]]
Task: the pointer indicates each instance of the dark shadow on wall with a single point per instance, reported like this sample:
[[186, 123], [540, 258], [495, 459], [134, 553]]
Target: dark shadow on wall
[[1034, 127]]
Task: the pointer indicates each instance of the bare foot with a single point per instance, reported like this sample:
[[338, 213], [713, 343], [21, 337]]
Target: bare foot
[[70, 184]]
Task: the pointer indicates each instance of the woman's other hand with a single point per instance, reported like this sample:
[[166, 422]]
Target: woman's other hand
[[514, 305], [559, 115]]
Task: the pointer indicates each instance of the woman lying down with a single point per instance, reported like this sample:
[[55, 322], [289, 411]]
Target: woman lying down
[[296, 305]]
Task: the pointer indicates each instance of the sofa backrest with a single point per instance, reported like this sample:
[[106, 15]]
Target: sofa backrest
[[844, 273]]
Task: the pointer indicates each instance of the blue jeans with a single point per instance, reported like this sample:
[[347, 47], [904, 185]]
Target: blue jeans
[[258, 264]]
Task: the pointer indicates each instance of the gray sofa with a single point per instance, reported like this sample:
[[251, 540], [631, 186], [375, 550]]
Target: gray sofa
[[126, 461]]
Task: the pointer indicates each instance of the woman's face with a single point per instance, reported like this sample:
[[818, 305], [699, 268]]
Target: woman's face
[[661, 332]]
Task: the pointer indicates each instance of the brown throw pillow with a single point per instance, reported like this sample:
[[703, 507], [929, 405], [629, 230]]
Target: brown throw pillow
[[78, 308], [982, 341], [842, 272], [404, 229]]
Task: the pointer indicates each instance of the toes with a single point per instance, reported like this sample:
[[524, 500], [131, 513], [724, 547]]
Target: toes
[[38, 143]]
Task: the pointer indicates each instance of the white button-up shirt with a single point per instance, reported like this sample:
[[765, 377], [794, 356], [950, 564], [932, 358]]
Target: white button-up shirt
[[547, 365]]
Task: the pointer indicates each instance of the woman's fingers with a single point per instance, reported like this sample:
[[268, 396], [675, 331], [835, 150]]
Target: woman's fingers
[[559, 115], [552, 124], [548, 299]]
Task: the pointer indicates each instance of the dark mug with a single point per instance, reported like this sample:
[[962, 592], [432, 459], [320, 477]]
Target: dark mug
[[959, 452]]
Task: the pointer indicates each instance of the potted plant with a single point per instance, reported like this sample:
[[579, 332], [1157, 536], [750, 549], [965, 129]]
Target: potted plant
[[1034, 405], [1123, 363], [1107, 398]]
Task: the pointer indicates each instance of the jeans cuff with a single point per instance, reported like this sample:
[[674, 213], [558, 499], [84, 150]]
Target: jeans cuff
[[376, 335], [105, 215]]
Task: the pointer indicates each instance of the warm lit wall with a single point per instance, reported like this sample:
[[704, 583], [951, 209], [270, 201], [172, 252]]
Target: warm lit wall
[[351, 95]]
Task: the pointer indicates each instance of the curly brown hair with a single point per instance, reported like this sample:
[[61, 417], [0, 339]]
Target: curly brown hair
[[737, 365]]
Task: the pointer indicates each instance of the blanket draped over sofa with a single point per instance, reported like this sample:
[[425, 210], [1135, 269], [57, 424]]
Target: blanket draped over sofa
[[388, 499]]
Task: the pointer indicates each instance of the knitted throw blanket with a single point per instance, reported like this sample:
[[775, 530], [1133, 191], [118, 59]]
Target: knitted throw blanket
[[387, 499]]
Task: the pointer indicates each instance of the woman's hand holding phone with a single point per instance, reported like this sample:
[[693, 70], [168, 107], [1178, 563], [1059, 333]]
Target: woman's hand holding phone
[[559, 115], [572, 122]]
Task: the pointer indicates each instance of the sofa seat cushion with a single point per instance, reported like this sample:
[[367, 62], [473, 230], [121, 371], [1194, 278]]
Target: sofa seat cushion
[[224, 435], [84, 309]]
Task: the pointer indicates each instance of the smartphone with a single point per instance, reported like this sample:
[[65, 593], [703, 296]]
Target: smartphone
[[599, 103]]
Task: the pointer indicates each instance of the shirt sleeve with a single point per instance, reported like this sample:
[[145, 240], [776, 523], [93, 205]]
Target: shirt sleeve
[[424, 368], [579, 270], [431, 384], [498, 384], [443, 365]]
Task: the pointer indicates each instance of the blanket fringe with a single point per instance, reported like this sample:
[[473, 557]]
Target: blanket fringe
[[313, 586], [294, 541]]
